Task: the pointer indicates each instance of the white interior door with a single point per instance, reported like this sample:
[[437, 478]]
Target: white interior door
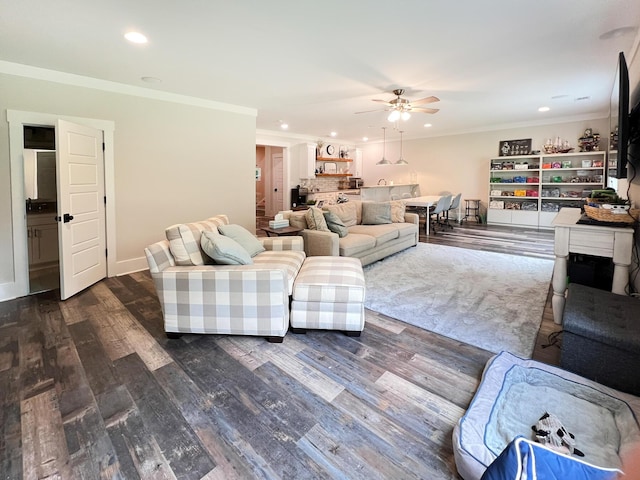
[[81, 209], [277, 203]]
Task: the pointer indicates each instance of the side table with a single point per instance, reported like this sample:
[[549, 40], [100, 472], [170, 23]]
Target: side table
[[472, 209], [601, 241], [281, 232]]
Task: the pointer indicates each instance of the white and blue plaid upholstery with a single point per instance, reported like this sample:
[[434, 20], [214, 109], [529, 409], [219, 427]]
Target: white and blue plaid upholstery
[[224, 299], [329, 293]]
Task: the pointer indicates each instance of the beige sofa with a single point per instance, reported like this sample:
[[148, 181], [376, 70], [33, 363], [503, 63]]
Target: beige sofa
[[365, 241]]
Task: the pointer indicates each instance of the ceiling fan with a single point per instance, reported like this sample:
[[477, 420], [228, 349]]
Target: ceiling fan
[[401, 108]]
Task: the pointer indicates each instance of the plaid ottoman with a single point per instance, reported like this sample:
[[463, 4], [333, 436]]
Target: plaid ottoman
[[328, 293]]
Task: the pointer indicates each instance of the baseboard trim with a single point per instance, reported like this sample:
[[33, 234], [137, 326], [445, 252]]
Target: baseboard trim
[[132, 265]]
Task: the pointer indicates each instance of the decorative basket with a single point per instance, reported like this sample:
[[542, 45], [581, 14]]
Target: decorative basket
[[604, 215]]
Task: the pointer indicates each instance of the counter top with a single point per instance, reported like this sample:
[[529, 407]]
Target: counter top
[[391, 186]]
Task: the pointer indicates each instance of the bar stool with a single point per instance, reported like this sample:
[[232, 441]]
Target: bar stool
[[472, 209]]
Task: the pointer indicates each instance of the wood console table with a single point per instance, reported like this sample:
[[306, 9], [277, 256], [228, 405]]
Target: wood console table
[[601, 241]]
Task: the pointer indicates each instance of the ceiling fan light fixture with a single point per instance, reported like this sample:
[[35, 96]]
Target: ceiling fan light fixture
[[405, 116], [394, 116]]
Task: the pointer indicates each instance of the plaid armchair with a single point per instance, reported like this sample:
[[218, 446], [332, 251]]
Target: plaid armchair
[[223, 299]]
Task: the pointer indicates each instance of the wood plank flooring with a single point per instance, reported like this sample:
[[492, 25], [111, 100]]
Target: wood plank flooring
[[92, 388]]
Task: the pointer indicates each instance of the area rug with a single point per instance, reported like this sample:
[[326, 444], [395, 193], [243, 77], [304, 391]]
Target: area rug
[[491, 300]]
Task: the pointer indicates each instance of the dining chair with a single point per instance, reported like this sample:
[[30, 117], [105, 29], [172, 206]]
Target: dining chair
[[434, 214], [455, 204]]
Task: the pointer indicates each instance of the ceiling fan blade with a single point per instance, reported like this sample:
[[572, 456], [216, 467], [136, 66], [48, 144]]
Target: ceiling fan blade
[[376, 110], [425, 110], [422, 101], [378, 100]]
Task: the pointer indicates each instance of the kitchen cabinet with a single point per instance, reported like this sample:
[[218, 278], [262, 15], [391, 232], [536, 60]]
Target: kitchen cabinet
[[305, 154], [357, 163], [42, 235]]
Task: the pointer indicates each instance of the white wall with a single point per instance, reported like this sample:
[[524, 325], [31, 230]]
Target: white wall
[[460, 163], [173, 162]]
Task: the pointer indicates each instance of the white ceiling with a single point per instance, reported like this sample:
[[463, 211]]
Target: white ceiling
[[313, 64]]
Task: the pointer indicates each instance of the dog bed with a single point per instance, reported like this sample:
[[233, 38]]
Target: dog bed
[[514, 393]]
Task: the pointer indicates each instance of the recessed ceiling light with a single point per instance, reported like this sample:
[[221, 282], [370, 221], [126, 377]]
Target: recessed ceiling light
[[135, 37], [284, 126], [544, 109], [150, 79], [365, 139], [618, 32], [427, 125], [333, 134]]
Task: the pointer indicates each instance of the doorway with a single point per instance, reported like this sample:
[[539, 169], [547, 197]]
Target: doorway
[[17, 120], [40, 203], [271, 172]]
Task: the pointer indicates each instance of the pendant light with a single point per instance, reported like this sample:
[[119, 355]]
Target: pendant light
[[401, 161], [384, 161]]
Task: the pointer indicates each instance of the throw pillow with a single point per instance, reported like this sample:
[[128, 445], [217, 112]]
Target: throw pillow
[[244, 237], [374, 213], [297, 219], [346, 212], [398, 209], [224, 250], [315, 219], [335, 224]]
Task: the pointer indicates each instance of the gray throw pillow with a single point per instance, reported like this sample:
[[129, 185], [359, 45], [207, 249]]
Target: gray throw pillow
[[224, 250], [335, 224], [375, 213], [315, 220], [244, 237]]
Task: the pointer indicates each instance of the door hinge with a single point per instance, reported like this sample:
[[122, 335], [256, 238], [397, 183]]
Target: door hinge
[[105, 199], [103, 146], [106, 253]]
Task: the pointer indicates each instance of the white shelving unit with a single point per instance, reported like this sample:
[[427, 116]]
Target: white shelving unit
[[529, 190]]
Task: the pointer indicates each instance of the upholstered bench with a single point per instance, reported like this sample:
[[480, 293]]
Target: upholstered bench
[[601, 337], [329, 293]]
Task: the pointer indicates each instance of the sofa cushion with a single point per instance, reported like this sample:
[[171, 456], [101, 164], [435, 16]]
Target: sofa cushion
[[184, 239], [398, 209], [335, 224], [224, 250], [355, 243], [288, 260], [376, 213], [244, 237], [381, 233], [347, 212], [406, 228], [315, 220]]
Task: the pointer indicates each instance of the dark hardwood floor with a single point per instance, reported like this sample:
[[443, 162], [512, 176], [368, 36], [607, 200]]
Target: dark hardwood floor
[[92, 388]]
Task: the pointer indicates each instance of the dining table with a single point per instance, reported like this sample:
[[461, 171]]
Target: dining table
[[424, 202]]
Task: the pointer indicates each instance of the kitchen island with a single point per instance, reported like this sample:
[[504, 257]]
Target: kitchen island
[[383, 193]]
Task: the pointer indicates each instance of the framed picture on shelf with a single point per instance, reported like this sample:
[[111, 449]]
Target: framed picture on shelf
[[330, 167], [514, 147], [319, 203]]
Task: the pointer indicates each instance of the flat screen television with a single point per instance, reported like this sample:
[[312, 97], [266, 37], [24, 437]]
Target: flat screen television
[[619, 121]]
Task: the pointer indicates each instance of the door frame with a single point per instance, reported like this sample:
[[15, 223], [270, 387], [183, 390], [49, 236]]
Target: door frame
[[17, 120], [266, 141]]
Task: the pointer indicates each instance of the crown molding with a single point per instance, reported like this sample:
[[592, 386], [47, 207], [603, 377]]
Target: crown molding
[[38, 73]]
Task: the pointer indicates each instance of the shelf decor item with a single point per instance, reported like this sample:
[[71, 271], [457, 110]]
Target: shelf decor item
[[608, 215], [507, 148], [330, 167]]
